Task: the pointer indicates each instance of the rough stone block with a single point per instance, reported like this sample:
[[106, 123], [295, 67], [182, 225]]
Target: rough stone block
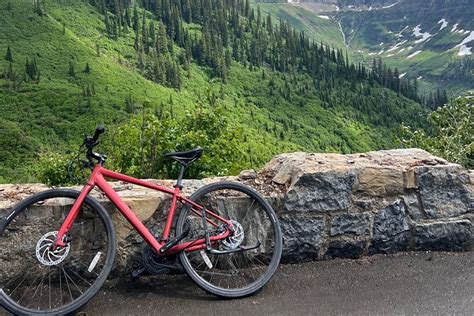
[[301, 237], [356, 224], [413, 207], [444, 236], [345, 249], [444, 190], [381, 181], [391, 230], [321, 192]]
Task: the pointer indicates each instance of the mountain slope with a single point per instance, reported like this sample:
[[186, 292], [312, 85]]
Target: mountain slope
[[422, 38], [73, 67], [429, 40]]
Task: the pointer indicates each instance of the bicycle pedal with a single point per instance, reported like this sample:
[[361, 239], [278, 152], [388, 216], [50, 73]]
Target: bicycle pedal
[[136, 273]]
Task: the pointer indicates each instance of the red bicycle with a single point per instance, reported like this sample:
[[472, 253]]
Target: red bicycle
[[58, 246]]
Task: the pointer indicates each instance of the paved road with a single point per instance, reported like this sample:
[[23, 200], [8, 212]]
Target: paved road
[[407, 283]]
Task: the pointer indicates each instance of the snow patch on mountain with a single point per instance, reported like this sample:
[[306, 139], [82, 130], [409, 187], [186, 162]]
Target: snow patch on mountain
[[402, 75], [414, 54], [400, 33], [455, 27], [396, 46], [464, 49], [424, 36], [443, 23], [391, 5], [324, 17]]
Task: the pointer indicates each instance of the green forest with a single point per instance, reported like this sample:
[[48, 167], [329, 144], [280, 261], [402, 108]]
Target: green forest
[[168, 75]]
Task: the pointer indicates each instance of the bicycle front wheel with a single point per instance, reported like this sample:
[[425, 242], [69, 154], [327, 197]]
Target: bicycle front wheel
[[35, 280], [256, 237]]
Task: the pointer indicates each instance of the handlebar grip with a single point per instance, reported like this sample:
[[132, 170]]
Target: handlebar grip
[[99, 130]]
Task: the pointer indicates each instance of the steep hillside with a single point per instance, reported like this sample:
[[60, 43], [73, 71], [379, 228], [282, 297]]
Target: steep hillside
[[69, 65], [428, 40]]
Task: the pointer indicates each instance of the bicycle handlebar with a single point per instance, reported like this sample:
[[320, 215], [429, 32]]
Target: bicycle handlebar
[[98, 131], [91, 142]]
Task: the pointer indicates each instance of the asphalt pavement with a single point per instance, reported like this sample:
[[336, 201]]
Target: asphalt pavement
[[401, 284]]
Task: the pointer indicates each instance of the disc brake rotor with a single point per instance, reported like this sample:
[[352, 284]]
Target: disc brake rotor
[[49, 257], [234, 241]]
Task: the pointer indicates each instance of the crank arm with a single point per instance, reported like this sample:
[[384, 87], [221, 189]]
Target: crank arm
[[221, 252], [136, 273]]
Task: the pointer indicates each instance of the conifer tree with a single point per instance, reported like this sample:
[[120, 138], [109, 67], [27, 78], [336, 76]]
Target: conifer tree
[[8, 55], [87, 69], [71, 72], [135, 19]]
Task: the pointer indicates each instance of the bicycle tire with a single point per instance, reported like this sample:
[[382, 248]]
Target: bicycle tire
[[270, 269], [93, 214]]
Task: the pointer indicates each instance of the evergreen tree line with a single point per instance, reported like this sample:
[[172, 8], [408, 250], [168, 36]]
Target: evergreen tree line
[[233, 30], [460, 70]]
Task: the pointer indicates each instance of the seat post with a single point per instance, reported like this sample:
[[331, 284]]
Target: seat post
[[180, 176]]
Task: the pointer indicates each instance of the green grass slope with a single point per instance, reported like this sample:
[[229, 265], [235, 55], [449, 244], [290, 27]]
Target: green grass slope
[[316, 26]]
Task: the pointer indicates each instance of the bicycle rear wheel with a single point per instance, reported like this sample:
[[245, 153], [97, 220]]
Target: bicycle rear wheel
[[235, 274], [36, 280]]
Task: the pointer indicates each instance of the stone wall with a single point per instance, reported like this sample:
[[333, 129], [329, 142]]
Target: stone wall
[[329, 205]]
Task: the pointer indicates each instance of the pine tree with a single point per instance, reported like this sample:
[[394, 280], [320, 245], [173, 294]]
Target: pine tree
[[9, 55], [129, 104], [71, 72], [87, 69], [97, 49], [135, 19], [31, 70]]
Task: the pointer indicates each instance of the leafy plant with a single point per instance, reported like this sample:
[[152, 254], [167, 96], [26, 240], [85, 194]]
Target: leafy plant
[[451, 133], [137, 148]]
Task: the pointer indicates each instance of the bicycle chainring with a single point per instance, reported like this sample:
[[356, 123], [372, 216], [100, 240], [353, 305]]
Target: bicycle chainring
[[155, 264]]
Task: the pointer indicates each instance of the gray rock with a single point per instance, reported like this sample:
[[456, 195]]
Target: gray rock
[[356, 224], [321, 192], [444, 236], [345, 249], [443, 190], [391, 230], [301, 237], [413, 207], [247, 174]]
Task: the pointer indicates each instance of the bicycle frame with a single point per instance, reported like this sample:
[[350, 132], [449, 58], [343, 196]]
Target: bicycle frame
[[97, 178]]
